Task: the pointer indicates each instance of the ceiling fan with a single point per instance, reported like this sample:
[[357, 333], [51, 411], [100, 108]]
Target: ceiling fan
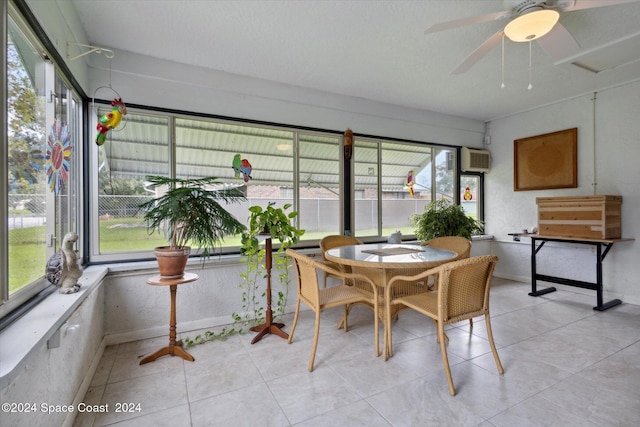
[[528, 20]]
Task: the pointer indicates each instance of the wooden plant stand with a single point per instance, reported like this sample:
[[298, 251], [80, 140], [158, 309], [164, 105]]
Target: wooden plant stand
[[174, 348], [268, 327]]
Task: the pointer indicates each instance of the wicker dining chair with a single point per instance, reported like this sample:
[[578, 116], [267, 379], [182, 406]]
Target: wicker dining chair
[[463, 293], [459, 245], [335, 241], [320, 299]]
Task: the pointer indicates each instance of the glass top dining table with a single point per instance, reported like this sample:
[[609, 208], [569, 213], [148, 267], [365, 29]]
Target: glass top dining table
[[389, 255], [382, 261]]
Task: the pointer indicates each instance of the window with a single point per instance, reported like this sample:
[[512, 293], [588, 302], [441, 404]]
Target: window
[[43, 151], [471, 195], [319, 185], [394, 180], [270, 165], [137, 147]]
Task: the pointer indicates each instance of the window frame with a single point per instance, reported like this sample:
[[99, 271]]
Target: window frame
[[452, 160], [56, 81]]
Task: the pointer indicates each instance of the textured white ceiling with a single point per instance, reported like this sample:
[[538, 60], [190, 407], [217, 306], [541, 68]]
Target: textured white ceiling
[[376, 50]]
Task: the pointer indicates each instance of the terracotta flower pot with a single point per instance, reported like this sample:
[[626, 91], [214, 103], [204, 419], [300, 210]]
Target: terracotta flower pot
[[172, 261]]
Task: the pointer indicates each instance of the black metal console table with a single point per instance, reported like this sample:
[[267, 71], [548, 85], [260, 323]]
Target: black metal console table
[[602, 249]]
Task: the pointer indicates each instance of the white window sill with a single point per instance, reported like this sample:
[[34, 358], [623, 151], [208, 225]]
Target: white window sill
[[41, 323], [44, 321]]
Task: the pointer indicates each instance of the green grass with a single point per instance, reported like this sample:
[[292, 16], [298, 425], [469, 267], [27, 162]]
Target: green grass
[[127, 238], [27, 256]]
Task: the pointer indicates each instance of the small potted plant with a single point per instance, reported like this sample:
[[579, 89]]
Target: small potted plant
[[192, 213], [442, 218]]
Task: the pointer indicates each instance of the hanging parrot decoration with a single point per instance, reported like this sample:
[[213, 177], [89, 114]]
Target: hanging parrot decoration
[[246, 170], [110, 120], [241, 166], [236, 165], [410, 182]]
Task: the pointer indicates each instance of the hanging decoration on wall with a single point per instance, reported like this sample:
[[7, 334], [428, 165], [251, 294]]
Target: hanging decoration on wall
[[467, 194], [348, 144], [58, 156], [111, 120], [411, 180], [241, 166]]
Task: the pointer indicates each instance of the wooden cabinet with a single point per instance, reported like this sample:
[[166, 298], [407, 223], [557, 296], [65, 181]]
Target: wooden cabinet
[[594, 217]]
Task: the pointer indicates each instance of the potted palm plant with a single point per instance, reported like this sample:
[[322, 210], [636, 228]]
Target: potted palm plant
[[442, 218], [191, 212]]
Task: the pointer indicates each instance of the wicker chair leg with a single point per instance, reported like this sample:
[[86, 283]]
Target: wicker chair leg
[[446, 338], [345, 317], [445, 360], [295, 320], [493, 345], [315, 341]]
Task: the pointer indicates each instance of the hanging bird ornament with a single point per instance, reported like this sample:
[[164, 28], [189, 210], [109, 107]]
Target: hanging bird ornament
[[110, 120], [246, 170], [241, 166], [237, 164]]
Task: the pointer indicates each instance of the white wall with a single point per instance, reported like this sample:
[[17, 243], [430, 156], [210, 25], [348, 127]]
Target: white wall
[[617, 151], [136, 310], [58, 376], [152, 82]]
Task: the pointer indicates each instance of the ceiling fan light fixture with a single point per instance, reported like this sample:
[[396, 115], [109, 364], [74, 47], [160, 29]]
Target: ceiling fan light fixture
[[532, 25]]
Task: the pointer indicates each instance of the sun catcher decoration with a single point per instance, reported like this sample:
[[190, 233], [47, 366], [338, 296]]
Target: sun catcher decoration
[[110, 120], [467, 194], [58, 156], [411, 180]]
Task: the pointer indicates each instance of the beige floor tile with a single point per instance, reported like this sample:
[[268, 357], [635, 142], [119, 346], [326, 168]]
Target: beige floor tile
[[565, 364]]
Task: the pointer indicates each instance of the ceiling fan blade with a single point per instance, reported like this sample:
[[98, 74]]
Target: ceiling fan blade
[[477, 54], [468, 21], [559, 43], [590, 4]]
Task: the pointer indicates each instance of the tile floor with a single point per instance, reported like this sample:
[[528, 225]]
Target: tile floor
[[565, 365]]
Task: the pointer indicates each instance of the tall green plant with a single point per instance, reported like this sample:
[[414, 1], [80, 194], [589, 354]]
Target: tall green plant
[[193, 211], [442, 218], [278, 225]]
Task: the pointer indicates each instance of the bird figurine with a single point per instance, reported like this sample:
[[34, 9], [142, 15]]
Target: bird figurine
[[110, 120], [62, 268], [241, 166]]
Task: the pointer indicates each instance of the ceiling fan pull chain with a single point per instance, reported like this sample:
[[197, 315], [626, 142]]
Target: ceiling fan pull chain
[[530, 86], [502, 84]]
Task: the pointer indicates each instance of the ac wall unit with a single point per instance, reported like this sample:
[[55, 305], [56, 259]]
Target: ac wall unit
[[474, 160]]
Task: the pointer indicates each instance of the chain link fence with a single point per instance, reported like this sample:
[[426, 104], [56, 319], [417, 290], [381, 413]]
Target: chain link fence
[[111, 207]]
